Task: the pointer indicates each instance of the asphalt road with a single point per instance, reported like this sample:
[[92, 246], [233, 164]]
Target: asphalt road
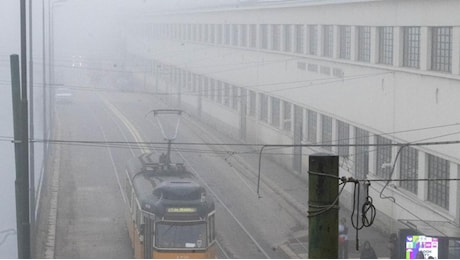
[[85, 198]]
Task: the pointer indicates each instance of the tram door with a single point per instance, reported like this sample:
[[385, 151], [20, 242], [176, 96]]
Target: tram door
[[297, 158], [149, 231]]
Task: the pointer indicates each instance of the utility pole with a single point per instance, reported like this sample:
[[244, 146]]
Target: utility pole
[[323, 206], [21, 158]]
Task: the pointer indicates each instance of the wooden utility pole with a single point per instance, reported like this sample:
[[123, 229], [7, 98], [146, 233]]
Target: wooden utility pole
[[323, 206]]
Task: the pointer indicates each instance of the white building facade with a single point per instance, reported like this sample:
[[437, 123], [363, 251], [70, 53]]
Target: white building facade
[[327, 72]]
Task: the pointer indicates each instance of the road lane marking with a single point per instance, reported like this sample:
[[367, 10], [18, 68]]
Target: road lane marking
[[127, 123]]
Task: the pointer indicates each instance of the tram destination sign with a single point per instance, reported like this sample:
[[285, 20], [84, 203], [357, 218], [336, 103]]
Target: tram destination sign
[[181, 210]]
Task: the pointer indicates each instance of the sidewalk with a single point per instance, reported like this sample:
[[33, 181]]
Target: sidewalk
[[294, 190]]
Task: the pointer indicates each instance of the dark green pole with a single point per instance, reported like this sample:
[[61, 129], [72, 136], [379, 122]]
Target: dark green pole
[[21, 159], [323, 206]]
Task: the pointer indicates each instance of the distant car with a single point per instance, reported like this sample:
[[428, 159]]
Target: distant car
[[63, 95]]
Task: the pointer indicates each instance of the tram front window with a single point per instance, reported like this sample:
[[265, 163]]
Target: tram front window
[[180, 235]]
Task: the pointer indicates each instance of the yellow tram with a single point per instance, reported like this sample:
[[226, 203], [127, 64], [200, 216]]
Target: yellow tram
[[169, 214]]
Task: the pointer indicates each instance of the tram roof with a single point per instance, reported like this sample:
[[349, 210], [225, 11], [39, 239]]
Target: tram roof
[[160, 187]]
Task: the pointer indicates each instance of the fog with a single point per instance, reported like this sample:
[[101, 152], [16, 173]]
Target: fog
[[82, 28], [252, 72]]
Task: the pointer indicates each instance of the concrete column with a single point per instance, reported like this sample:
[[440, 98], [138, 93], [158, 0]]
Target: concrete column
[[335, 42], [425, 48], [456, 50], [422, 187], [374, 46], [398, 46], [354, 43], [319, 42]]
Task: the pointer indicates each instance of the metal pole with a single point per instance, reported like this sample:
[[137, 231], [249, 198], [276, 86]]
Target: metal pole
[[45, 119], [31, 130], [25, 221], [323, 204]]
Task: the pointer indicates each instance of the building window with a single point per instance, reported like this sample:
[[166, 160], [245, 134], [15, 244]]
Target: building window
[[383, 154], [409, 169], [364, 43], [227, 34], [299, 32], [361, 153], [275, 112], [195, 32], [252, 35], [235, 34], [287, 37], [235, 97], [411, 47], [345, 42], [252, 103], [287, 121], [226, 94], [264, 36], [313, 39], [203, 90], [441, 49], [205, 32], [385, 45], [438, 190], [343, 136], [326, 131], [276, 37], [244, 35], [212, 34], [199, 34], [311, 136], [263, 107], [218, 92], [212, 83], [219, 34], [328, 43]]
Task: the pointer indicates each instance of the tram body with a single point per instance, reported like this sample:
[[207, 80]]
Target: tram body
[[169, 214]]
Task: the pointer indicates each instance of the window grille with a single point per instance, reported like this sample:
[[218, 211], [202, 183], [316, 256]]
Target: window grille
[[328, 43], [275, 109], [343, 132], [299, 38], [385, 45], [441, 52], [438, 190], [383, 154], [411, 47], [345, 42], [364, 43], [326, 131], [313, 39], [408, 169]]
